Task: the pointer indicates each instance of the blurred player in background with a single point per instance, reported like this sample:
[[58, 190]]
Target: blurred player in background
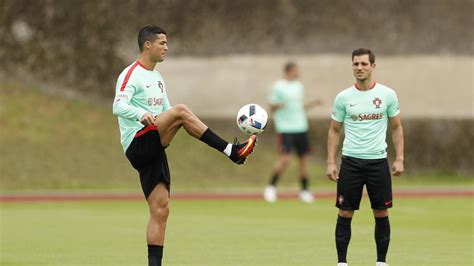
[[288, 109], [365, 109], [148, 124]]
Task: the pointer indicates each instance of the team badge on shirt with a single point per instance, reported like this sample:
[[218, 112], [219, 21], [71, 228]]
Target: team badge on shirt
[[160, 85], [377, 102]]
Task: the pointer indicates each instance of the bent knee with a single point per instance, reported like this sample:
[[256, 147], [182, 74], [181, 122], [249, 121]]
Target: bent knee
[[181, 111], [181, 108]]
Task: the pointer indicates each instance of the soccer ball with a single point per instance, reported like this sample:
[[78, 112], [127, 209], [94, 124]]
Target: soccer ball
[[252, 119]]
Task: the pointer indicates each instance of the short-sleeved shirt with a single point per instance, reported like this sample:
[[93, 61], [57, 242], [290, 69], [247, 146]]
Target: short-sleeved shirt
[[291, 118], [365, 117], [137, 92]]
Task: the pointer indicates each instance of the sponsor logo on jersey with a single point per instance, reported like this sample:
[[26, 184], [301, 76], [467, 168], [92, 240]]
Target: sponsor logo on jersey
[[377, 102], [363, 117], [155, 101]]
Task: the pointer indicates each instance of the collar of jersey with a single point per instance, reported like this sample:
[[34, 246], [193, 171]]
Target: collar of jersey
[[143, 66], [371, 87]]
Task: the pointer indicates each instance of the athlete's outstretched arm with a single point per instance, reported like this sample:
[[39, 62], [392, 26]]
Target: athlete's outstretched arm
[[313, 103], [334, 135], [397, 138]]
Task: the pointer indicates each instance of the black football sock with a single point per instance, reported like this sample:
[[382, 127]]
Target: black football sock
[[155, 253], [274, 179], [343, 236], [382, 237], [304, 183], [211, 139]]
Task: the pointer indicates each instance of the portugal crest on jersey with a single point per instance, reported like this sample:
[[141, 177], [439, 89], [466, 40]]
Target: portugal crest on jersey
[[160, 85], [377, 102]]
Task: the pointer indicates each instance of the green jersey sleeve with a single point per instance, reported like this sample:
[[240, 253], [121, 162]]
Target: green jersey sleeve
[[393, 107], [275, 96], [338, 109], [121, 106]]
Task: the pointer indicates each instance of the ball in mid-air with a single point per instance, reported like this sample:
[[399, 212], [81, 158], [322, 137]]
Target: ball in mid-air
[[252, 119]]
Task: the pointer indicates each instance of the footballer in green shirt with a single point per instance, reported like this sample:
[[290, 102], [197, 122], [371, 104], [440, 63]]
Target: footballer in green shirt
[[287, 105], [148, 124], [365, 111]]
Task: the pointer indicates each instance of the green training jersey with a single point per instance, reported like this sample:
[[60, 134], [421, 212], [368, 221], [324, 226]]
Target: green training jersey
[[365, 117], [138, 91], [290, 118]]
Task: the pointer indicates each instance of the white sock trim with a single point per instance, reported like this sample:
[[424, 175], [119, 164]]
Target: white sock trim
[[228, 150]]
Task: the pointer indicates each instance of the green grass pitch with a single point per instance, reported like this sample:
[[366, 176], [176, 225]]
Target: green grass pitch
[[424, 232]]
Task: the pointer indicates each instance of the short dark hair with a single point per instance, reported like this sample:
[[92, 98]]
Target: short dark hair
[[363, 51], [148, 33], [289, 66]]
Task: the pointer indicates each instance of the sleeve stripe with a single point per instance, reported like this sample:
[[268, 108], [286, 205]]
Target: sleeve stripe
[[127, 77]]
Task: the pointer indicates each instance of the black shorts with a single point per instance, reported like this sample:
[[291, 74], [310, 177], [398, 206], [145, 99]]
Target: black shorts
[[354, 174], [148, 157], [298, 142]]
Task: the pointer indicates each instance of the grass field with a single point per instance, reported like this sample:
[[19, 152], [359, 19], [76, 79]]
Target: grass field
[[47, 146], [437, 231]]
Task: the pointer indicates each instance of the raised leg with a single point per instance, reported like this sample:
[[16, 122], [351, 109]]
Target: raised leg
[[178, 116]]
